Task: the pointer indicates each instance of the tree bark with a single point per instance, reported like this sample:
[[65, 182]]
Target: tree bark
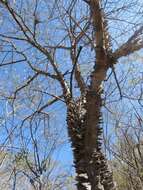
[[76, 120], [84, 117]]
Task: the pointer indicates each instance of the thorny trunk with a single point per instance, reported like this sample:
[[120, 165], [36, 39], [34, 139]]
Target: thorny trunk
[[84, 116], [90, 164], [76, 121]]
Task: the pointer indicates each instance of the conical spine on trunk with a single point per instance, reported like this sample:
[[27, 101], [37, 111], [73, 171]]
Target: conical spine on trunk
[[93, 142], [76, 116], [84, 118]]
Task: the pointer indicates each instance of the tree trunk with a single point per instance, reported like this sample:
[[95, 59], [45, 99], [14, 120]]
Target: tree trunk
[[76, 120], [90, 164], [84, 116]]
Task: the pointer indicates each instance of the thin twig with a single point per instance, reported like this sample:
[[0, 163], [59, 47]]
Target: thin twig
[[73, 69]]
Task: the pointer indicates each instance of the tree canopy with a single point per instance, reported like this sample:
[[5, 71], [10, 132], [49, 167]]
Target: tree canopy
[[71, 76]]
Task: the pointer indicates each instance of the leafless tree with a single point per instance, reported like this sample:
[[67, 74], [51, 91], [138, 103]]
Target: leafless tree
[[52, 41]]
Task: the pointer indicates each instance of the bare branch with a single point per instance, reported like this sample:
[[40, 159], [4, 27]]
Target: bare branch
[[12, 62], [118, 85], [134, 43], [25, 85], [34, 43], [74, 67], [39, 110], [87, 1]]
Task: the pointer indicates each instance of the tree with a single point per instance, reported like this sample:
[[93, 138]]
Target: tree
[[128, 159], [59, 39]]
